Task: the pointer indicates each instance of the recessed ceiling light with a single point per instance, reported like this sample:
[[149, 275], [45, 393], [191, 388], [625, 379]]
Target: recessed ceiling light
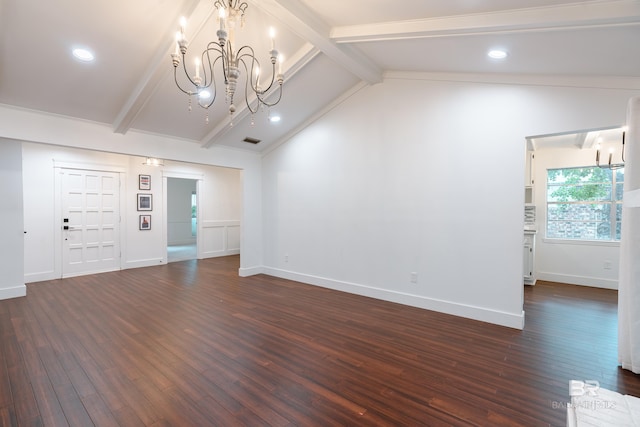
[[497, 54], [83, 54]]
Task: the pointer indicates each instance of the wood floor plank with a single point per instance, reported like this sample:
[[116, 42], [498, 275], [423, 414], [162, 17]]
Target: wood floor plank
[[192, 343]]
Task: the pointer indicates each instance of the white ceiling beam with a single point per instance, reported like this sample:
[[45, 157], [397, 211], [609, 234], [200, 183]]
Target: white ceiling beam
[[197, 15], [586, 140], [302, 21], [290, 68], [571, 16]]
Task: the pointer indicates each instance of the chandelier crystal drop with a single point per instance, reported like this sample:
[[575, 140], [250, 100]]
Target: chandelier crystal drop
[[221, 57]]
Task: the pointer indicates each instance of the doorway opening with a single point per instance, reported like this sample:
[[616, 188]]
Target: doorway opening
[[182, 234], [572, 207]]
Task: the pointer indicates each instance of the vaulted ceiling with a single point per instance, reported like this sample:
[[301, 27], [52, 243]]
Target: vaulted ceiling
[[332, 48]]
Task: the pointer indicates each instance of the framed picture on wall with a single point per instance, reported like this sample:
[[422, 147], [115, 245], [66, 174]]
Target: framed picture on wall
[[145, 202], [144, 182], [145, 222]]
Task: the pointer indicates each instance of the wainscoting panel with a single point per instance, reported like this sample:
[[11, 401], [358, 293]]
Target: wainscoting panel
[[233, 237], [220, 238]]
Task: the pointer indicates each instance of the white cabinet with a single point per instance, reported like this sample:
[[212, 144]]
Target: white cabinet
[[528, 257], [529, 170]]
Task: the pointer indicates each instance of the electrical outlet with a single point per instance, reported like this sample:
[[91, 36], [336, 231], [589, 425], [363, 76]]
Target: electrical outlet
[[414, 277]]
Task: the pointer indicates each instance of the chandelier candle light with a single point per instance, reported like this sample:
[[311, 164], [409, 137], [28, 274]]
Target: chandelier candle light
[[610, 165], [222, 54]]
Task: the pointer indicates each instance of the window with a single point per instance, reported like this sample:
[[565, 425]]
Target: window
[[584, 203]]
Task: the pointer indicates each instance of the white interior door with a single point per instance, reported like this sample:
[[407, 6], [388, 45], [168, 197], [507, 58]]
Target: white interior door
[[90, 222]]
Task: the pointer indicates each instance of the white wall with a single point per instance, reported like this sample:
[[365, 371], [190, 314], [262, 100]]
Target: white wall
[[12, 241], [32, 126], [419, 175], [422, 173], [579, 263], [179, 192], [221, 186], [219, 230]]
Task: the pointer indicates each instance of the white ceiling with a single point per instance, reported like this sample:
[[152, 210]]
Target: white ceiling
[[332, 48]]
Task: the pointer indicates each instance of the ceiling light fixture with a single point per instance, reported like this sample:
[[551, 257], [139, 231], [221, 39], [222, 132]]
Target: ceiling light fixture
[[83, 55], [497, 54], [152, 161], [223, 54], [610, 165]]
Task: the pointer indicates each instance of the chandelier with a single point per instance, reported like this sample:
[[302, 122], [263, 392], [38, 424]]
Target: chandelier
[[221, 57], [610, 165]]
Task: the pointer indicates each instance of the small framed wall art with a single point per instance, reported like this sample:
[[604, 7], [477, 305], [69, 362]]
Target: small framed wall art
[[145, 202], [145, 222], [144, 182]]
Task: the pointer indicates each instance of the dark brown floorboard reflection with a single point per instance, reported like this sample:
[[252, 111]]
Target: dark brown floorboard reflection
[[191, 343]]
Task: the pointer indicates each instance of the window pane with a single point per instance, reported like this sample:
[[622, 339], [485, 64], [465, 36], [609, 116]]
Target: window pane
[[579, 221], [579, 203], [578, 212], [578, 230], [619, 191], [578, 193], [618, 229], [578, 175]]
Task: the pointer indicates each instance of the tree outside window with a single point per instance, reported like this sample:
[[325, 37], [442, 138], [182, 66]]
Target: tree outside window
[[584, 203]]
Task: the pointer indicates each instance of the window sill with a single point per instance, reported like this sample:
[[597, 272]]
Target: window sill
[[613, 243]]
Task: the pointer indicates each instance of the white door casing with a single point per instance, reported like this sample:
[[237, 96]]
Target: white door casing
[[199, 178], [90, 202]]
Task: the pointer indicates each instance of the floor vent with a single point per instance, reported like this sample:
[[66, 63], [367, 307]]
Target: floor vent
[[251, 140]]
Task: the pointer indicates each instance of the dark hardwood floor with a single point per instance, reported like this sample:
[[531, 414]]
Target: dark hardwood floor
[[193, 344]]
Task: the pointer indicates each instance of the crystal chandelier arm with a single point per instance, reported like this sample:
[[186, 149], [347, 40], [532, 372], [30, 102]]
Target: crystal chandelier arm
[[258, 91], [248, 84], [175, 77], [251, 55], [241, 56], [186, 73], [212, 84], [220, 53], [271, 104]]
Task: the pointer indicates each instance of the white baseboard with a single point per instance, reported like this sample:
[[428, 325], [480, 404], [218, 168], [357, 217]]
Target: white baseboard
[[501, 318], [250, 271], [595, 282], [217, 254], [13, 292], [40, 276], [144, 263]]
